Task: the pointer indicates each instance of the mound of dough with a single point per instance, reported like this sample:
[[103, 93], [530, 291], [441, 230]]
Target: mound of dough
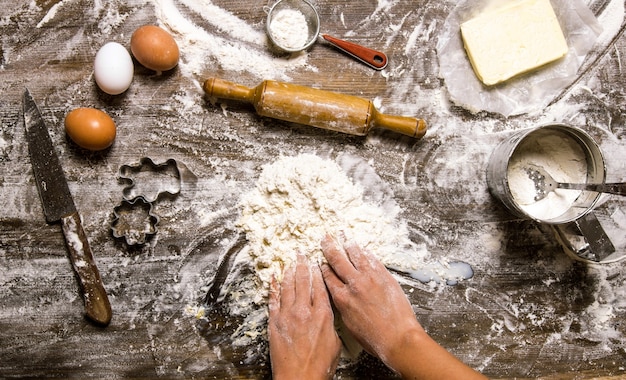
[[297, 200]]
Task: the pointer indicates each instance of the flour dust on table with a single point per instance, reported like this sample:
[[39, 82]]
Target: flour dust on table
[[296, 201]]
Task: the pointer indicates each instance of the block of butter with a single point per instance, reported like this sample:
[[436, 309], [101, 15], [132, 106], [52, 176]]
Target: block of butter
[[512, 40]]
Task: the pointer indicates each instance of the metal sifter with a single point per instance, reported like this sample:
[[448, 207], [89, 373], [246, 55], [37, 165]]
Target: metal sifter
[[309, 16]]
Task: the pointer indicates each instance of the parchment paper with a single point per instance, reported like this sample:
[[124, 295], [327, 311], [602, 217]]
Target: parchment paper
[[528, 92]]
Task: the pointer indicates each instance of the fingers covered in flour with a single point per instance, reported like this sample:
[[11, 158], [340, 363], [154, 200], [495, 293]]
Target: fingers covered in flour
[[319, 298], [274, 297], [288, 286], [338, 259], [302, 339], [302, 280], [368, 298], [361, 260]]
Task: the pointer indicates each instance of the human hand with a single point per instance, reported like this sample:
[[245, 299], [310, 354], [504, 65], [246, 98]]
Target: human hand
[[372, 304], [302, 338], [377, 312]]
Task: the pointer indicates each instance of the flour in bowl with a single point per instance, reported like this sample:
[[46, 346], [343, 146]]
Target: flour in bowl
[[297, 200], [289, 29]]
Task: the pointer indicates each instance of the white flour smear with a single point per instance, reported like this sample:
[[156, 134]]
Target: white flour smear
[[297, 200], [226, 42], [51, 13]]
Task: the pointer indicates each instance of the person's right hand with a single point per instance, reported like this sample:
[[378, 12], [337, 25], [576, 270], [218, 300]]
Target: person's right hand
[[372, 304], [376, 311]]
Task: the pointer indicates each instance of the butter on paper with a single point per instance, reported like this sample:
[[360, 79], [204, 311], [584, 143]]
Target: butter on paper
[[524, 93], [512, 40]]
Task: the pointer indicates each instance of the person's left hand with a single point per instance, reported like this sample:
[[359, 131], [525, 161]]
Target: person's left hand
[[302, 338]]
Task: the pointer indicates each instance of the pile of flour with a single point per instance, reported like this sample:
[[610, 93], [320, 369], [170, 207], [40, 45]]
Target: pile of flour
[[297, 200], [289, 29]]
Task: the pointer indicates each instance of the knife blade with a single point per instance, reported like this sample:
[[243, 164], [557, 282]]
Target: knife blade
[[58, 205]]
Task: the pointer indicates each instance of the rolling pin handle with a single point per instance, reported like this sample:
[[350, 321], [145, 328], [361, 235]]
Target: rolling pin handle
[[405, 125], [219, 88]]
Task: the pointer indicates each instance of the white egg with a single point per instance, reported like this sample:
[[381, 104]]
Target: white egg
[[113, 68]]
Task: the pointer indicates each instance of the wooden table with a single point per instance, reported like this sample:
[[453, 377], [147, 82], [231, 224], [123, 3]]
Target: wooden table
[[529, 311]]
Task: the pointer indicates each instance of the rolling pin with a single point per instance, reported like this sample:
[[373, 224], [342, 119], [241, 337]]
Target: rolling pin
[[314, 107]]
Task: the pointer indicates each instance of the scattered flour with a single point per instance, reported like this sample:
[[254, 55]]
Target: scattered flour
[[289, 29], [51, 13], [213, 38], [297, 200], [224, 41], [611, 19]]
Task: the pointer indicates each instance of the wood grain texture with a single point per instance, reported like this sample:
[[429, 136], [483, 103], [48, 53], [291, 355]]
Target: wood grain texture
[[529, 311]]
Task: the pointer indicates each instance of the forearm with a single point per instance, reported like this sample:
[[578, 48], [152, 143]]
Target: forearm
[[302, 373], [375, 309], [420, 357]]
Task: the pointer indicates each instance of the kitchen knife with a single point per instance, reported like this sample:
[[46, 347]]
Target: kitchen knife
[[58, 205]]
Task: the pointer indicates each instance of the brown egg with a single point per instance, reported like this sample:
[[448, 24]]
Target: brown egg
[[154, 48], [90, 128]]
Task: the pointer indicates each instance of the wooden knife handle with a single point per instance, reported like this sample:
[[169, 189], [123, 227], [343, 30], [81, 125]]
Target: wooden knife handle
[[97, 306]]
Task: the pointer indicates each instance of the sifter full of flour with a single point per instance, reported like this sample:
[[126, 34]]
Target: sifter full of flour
[[569, 155], [566, 153]]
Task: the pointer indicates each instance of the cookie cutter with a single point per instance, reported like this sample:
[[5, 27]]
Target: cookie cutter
[[150, 180], [134, 221], [146, 182]]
